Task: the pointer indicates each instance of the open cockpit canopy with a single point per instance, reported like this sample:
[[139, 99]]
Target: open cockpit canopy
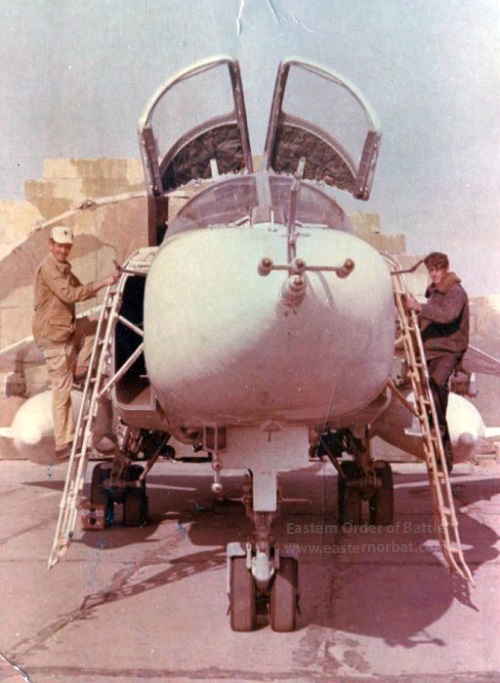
[[320, 117], [195, 127]]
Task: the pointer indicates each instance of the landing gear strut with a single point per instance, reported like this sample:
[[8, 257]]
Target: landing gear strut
[[348, 494], [135, 502]]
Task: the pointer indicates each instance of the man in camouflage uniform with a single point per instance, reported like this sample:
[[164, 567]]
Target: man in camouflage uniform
[[62, 338]]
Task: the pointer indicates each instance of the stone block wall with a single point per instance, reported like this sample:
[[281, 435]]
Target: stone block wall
[[67, 183]]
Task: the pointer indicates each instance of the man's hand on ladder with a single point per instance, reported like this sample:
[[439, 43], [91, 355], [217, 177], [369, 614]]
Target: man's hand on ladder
[[411, 303]]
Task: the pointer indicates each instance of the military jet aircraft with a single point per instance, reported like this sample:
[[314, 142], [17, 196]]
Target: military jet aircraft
[[261, 329]]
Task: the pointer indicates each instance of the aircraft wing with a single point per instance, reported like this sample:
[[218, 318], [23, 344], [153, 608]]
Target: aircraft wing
[[23, 352], [476, 360]]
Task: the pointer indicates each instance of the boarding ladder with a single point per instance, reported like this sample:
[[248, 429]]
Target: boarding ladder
[[445, 518], [98, 382]]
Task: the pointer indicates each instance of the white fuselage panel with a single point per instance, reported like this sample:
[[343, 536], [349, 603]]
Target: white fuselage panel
[[223, 346]]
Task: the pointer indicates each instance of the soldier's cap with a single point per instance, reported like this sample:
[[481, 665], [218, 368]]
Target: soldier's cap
[[62, 234]]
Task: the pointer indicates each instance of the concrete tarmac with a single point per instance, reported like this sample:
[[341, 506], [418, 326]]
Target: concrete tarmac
[[150, 604]]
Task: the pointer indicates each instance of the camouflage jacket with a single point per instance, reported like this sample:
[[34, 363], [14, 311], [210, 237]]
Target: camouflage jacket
[[57, 290]]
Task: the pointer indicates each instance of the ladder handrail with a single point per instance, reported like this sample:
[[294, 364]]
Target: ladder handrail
[[75, 475], [92, 393], [439, 482]]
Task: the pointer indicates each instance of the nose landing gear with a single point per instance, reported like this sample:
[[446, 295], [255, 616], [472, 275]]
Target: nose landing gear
[[258, 575], [279, 593]]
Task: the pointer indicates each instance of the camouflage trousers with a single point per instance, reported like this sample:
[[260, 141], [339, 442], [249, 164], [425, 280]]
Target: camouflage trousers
[[61, 361]]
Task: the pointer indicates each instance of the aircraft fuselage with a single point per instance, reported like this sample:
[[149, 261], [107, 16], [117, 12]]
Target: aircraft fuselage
[[227, 345]]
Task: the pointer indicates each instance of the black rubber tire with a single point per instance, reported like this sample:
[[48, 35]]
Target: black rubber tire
[[135, 508], [284, 592], [349, 498], [382, 501], [98, 494], [242, 604]]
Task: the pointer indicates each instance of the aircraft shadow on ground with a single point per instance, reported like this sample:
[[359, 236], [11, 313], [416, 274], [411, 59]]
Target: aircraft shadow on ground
[[50, 484], [397, 596], [393, 596]]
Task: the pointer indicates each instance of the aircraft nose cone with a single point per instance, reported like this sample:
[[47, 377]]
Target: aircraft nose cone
[[222, 341]]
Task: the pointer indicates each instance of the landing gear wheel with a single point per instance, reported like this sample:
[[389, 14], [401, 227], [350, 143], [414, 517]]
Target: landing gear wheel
[[284, 593], [349, 498], [135, 503], [99, 495], [242, 596], [135, 508], [382, 501]]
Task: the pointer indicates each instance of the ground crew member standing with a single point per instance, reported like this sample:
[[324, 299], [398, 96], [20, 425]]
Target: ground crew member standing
[[444, 324], [61, 337]]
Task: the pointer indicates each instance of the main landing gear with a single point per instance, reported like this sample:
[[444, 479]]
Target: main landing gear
[[360, 479], [122, 482], [127, 489]]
